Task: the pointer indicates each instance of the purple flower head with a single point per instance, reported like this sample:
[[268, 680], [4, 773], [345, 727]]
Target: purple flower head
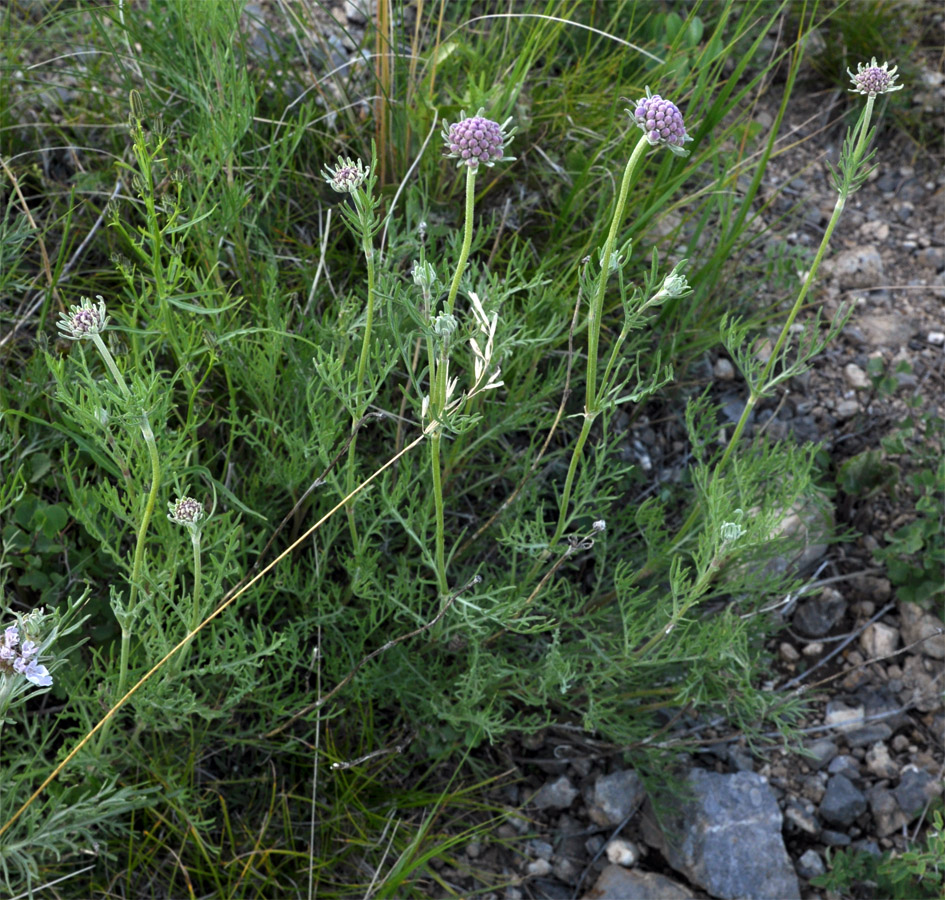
[[347, 176], [662, 123], [11, 636], [474, 140], [874, 79], [186, 511], [84, 320]]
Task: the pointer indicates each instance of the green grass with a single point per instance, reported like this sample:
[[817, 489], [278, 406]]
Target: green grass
[[176, 171]]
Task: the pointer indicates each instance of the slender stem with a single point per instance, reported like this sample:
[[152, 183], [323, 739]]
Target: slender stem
[[439, 381], [758, 388], [467, 237], [594, 316], [138, 562], [361, 402], [442, 584]]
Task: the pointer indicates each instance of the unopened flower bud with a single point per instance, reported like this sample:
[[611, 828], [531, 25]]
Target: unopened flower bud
[[347, 176], [186, 511], [84, 320]]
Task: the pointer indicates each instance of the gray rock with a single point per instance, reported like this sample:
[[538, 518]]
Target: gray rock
[[887, 816], [845, 765], [842, 717], [558, 794], [918, 625], [816, 616], [801, 814], [916, 787], [881, 330], [859, 267], [835, 838], [725, 836], [823, 750], [879, 762], [869, 734], [810, 865], [618, 883], [616, 796], [856, 377], [842, 802]]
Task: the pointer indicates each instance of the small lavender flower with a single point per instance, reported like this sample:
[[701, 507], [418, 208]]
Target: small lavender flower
[[186, 511], [474, 140], [662, 122], [83, 320], [347, 176], [21, 662], [874, 79]]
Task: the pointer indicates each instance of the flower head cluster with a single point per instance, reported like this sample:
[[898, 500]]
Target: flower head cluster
[[662, 122], [874, 79], [186, 511], [19, 658], [475, 140], [83, 320], [347, 176]]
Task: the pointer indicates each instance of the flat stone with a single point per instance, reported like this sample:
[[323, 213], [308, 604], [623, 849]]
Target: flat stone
[[842, 803], [842, 717], [919, 625], [880, 330], [887, 816], [810, 865], [835, 838], [859, 267], [615, 798], [868, 734], [725, 836], [817, 615], [879, 762], [618, 883], [879, 640], [823, 750], [915, 789], [558, 794]]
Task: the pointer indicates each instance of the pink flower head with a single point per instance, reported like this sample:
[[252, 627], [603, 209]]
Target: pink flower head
[[474, 140], [662, 122], [874, 79]]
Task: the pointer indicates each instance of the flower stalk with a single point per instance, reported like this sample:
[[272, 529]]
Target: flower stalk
[[662, 125], [854, 167]]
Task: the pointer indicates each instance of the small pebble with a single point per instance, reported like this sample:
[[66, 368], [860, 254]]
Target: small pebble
[[814, 648], [788, 653], [856, 377], [622, 852], [723, 369], [538, 868], [936, 338]]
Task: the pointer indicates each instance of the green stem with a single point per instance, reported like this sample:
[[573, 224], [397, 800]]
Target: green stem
[[758, 388], [138, 563], [594, 316], [467, 237], [438, 387], [361, 402]]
